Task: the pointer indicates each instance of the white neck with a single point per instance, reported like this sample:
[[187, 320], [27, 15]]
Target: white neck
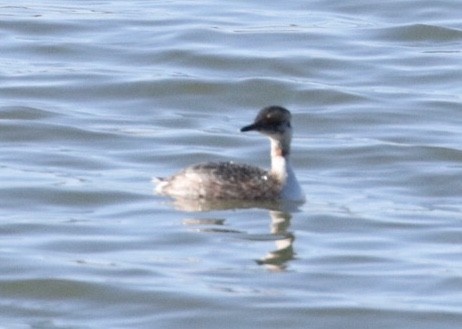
[[281, 168]]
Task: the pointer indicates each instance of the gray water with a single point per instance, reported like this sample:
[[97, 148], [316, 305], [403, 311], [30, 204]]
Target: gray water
[[98, 97]]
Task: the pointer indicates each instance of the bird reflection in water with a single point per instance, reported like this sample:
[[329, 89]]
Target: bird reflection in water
[[279, 212]]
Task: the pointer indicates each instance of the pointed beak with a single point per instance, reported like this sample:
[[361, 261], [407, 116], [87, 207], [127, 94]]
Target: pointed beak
[[253, 126]]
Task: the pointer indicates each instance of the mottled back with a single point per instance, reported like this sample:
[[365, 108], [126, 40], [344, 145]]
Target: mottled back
[[222, 180]]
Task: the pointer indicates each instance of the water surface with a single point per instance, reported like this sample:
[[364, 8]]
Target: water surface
[[99, 97]]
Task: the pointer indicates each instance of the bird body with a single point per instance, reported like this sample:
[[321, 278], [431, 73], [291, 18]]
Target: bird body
[[231, 181]]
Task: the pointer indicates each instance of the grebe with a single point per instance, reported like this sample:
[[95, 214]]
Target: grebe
[[231, 181]]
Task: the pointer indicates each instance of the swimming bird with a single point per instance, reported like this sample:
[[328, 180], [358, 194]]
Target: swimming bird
[[232, 181]]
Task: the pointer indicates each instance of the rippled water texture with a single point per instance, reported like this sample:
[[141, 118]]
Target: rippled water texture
[[96, 98]]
